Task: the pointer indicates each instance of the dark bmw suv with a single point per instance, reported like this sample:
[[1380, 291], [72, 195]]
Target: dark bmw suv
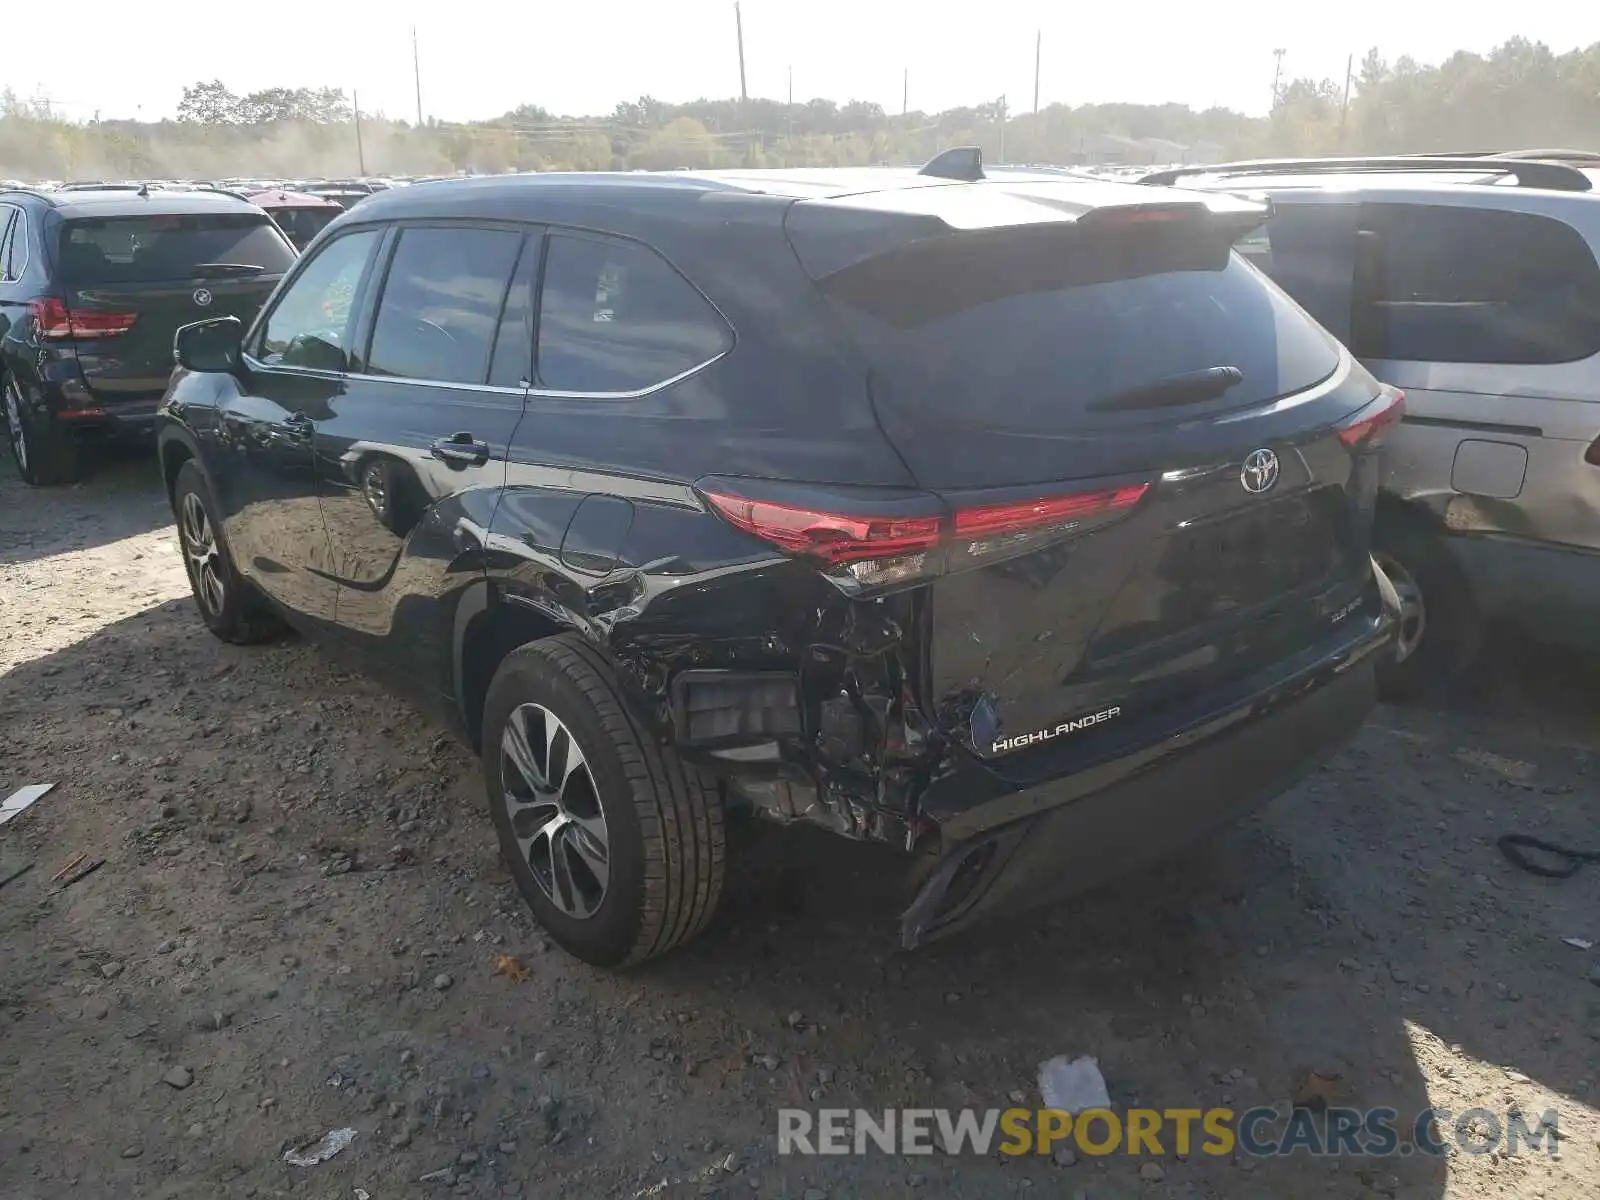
[[94, 281], [1014, 522]]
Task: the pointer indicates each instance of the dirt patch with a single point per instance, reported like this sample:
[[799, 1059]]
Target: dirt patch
[[301, 926]]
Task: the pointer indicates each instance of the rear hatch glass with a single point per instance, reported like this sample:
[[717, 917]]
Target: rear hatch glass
[[131, 281], [151, 249], [1031, 340]]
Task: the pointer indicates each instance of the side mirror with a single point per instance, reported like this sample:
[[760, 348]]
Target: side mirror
[[214, 345]]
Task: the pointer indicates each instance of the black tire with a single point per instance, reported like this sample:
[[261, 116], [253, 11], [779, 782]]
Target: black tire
[[1441, 630], [45, 450], [662, 821], [226, 604]]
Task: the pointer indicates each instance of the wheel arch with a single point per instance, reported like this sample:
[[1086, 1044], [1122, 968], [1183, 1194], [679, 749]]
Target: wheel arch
[[491, 622]]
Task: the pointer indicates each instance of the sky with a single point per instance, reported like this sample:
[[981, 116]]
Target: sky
[[133, 60]]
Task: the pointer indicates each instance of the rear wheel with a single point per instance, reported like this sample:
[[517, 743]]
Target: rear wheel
[[227, 606], [1440, 630], [615, 842], [45, 450]]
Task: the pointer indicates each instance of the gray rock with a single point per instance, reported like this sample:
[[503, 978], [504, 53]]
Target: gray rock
[[1066, 1157], [542, 1059], [1152, 1172], [132, 1151], [442, 982], [443, 1175], [111, 969], [178, 1077]]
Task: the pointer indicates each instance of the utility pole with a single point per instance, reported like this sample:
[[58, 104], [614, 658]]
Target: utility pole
[[1277, 74], [1038, 49], [744, 92], [1002, 155], [416, 73], [738, 24], [361, 154], [905, 92], [788, 140], [1344, 109]]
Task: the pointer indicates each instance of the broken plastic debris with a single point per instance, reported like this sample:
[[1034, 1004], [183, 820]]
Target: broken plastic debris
[[1578, 943], [21, 799], [363, 1194], [1073, 1085], [309, 1156]]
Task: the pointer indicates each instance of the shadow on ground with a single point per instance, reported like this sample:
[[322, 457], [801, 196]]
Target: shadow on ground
[[119, 497], [1339, 945]]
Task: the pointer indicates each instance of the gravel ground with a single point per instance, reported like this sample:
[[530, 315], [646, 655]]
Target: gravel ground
[[299, 922]]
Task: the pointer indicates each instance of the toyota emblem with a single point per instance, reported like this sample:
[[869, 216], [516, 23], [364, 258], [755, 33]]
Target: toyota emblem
[[202, 297], [1259, 472]]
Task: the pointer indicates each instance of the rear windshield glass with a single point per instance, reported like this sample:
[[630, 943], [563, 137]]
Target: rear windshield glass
[[1034, 332], [155, 248]]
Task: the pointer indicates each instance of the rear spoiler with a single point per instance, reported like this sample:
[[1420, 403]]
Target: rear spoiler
[[834, 233]]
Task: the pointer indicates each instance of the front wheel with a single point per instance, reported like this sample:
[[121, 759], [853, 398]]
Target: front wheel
[[226, 605], [615, 842], [45, 451]]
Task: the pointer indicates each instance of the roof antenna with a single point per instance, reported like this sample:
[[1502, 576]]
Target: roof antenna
[[964, 163], [144, 190]]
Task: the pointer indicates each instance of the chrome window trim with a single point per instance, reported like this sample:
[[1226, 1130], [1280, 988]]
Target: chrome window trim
[[538, 392]]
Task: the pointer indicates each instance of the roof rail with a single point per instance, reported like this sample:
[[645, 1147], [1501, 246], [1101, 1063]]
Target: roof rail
[[964, 163], [1573, 157], [1534, 173]]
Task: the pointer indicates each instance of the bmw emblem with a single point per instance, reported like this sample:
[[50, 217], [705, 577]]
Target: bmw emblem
[[1259, 472], [202, 297]]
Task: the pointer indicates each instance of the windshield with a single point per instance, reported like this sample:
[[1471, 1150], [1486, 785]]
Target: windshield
[[150, 249]]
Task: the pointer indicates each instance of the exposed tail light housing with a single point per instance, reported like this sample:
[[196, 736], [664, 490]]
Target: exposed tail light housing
[[861, 552], [57, 323], [1592, 454], [1370, 426]]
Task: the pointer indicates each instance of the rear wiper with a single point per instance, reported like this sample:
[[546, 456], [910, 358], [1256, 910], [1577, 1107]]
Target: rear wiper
[[217, 269], [1189, 388]]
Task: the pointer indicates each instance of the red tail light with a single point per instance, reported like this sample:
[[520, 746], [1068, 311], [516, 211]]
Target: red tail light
[[874, 551], [1054, 510], [1368, 428], [832, 537], [57, 323]]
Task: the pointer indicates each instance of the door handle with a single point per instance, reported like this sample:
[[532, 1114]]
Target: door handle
[[461, 450]]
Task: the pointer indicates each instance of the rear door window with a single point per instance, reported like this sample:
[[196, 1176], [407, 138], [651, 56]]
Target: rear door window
[[1445, 284], [615, 317], [161, 248], [1309, 251], [441, 303]]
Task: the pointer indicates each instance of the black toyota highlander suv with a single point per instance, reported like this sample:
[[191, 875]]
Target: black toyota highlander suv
[[94, 281], [1010, 520]]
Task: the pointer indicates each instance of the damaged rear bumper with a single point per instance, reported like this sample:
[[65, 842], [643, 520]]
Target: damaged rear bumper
[[1071, 833]]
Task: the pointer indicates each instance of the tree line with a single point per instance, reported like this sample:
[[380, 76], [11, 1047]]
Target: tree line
[[1521, 94]]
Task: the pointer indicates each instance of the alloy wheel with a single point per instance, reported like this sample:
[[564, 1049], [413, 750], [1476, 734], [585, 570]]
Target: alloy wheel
[[1413, 611], [204, 558], [554, 810], [374, 485], [19, 436]]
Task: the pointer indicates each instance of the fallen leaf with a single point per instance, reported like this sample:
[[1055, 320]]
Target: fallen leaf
[[511, 968]]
